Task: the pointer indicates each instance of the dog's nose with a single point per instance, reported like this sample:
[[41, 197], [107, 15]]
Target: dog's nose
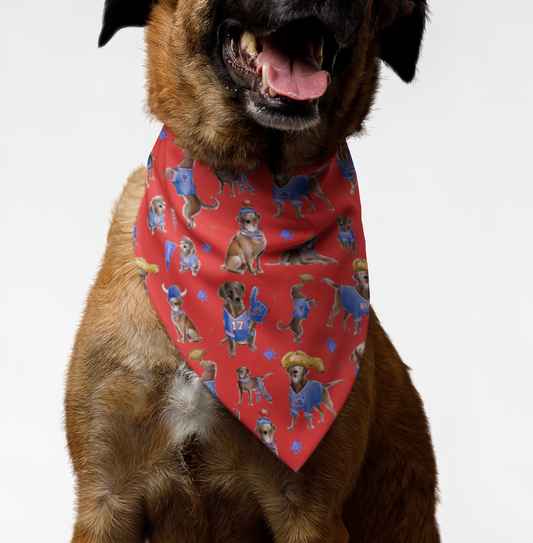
[[237, 298]]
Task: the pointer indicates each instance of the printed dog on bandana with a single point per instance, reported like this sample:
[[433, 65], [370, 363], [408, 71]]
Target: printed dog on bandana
[[302, 306], [248, 383], [304, 255], [344, 160], [306, 394], [156, 217], [265, 430], [346, 236], [209, 376], [188, 259], [232, 178], [238, 326], [248, 245], [294, 188], [182, 178], [355, 300], [184, 326]]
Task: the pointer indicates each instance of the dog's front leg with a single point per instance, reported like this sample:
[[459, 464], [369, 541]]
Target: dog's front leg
[[248, 260], [258, 265]]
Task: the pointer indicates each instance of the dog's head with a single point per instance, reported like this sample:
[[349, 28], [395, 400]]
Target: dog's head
[[208, 365], [309, 244], [344, 223], [237, 78], [363, 282], [242, 372], [249, 221], [157, 205], [266, 431], [296, 291], [232, 292], [187, 246], [297, 373]]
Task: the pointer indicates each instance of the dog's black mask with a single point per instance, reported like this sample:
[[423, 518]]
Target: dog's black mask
[[400, 42]]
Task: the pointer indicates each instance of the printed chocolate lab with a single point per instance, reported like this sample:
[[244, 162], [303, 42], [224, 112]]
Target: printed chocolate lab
[[245, 84]]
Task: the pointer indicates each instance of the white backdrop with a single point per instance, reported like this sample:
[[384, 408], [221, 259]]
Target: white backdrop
[[446, 190]]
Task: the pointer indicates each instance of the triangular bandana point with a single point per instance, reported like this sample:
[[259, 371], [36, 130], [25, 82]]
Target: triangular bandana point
[[266, 264]]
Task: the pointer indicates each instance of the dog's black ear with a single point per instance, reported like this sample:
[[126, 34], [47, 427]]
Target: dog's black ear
[[121, 13], [402, 40], [222, 292]]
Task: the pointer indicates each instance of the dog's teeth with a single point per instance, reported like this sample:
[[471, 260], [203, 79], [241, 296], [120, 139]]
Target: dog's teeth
[[319, 51], [249, 42], [246, 38], [265, 80], [272, 93], [252, 49]]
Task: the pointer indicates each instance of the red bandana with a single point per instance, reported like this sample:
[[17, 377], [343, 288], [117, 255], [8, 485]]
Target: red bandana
[[249, 272]]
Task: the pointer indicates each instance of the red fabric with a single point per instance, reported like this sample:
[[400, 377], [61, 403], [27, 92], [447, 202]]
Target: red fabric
[[212, 233]]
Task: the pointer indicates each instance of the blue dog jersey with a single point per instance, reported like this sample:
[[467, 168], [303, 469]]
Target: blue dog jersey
[[155, 221], [293, 190], [188, 261], [347, 237], [306, 399], [348, 171], [237, 328], [353, 302], [182, 179], [301, 308]]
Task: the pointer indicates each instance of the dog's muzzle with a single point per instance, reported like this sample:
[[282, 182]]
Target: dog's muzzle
[[283, 70]]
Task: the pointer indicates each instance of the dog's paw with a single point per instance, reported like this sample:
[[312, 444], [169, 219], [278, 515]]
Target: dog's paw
[[296, 446], [331, 345], [269, 354]]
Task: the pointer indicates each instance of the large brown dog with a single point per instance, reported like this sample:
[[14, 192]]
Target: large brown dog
[[156, 457]]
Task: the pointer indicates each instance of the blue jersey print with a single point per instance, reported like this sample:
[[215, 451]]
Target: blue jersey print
[[237, 328], [306, 399], [301, 308], [354, 303], [348, 171], [182, 178], [293, 190], [347, 237], [188, 261], [155, 221]]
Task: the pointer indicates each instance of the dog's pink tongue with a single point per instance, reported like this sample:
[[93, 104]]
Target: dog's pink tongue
[[292, 70]]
